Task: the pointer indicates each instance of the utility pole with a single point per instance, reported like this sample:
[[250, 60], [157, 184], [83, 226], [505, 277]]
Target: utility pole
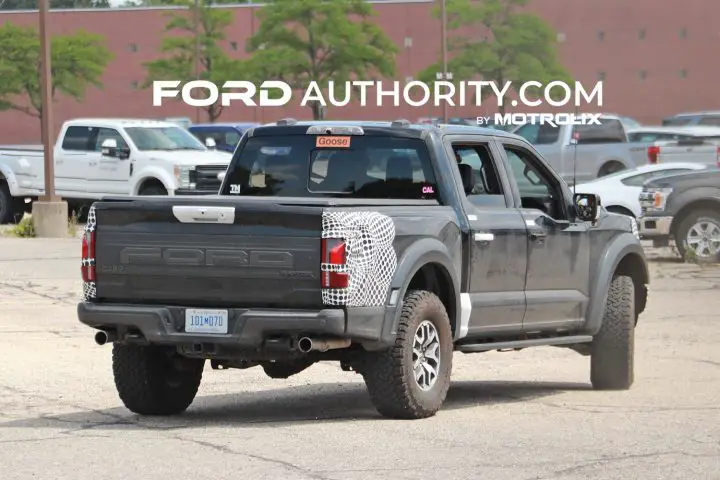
[[443, 33], [50, 214], [197, 51]]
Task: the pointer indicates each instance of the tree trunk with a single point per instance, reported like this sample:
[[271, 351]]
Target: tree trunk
[[317, 110]]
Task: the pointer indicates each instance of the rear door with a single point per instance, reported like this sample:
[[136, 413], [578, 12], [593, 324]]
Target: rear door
[[73, 161], [497, 242]]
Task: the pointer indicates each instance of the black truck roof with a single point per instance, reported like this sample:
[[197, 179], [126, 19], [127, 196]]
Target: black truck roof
[[399, 127]]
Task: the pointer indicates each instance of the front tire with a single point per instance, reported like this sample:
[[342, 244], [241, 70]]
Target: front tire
[[698, 237], [152, 380], [612, 358], [410, 380]]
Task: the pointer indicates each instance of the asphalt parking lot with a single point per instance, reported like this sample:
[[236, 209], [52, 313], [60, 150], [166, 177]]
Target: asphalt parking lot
[[523, 415]]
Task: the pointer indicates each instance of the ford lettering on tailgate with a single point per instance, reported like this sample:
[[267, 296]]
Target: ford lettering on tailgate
[[208, 257]]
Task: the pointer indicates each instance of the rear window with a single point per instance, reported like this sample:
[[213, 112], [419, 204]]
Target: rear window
[[609, 131], [357, 167], [676, 121]]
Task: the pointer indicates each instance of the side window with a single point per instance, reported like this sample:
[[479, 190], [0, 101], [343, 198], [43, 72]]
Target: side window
[[537, 190], [232, 138], [609, 131], [539, 134], [475, 160], [715, 121], [106, 133], [79, 139]]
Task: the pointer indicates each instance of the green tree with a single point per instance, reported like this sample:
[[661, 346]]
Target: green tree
[[506, 45], [78, 61], [301, 41], [179, 50], [34, 4]]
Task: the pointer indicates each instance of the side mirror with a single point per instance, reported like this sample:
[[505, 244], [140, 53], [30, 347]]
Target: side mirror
[[587, 206], [210, 143], [109, 148], [468, 177]]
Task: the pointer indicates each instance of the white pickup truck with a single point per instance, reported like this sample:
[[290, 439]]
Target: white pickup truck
[[598, 150], [702, 147], [98, 157]]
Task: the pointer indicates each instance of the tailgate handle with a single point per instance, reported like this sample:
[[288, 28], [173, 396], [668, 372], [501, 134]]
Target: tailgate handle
[[193, 214]]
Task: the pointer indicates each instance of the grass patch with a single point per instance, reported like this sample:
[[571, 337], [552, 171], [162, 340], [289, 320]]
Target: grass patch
[[25, 228]]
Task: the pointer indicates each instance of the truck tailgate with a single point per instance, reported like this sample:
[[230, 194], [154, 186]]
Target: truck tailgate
[[207, 252]]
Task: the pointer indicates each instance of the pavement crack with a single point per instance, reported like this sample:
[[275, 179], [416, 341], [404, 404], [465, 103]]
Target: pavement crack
[[28, 289], [281, 463]]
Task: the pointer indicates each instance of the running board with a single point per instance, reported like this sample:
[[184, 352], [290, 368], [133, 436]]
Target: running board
[[516, 344]]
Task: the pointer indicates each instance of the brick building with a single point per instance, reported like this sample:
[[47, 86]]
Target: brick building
[[655, 58]]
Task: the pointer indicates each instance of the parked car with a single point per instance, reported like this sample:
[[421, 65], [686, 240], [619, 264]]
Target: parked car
[[386, 273], [619, 192], [224, 135], [95, 157], [598, 151], [708, 118], [684, 209]]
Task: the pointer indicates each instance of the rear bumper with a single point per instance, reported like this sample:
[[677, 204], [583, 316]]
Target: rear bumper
[[247, 328]]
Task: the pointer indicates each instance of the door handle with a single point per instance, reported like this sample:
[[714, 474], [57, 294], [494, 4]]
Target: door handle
[[538, 236], [484, 237]]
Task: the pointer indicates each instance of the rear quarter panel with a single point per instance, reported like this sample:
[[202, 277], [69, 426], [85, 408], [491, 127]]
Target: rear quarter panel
[[387, 245]]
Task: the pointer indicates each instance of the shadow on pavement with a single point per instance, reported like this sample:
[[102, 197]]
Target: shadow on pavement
[[328, 402]]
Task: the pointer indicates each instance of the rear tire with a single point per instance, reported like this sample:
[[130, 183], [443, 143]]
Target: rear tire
[[610, 167], [394, 389], [612, 358], [153, 380]]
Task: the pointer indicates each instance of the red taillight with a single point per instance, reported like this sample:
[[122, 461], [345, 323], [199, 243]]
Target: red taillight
[[653, 152], [333, 258], [88, 257]]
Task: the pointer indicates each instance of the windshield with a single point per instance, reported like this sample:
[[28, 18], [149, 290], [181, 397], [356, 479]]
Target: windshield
[[310, 166], [163, 138]]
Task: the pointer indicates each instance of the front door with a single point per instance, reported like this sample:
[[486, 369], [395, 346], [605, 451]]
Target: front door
[[497, 246], [558, 276], [108, 175]]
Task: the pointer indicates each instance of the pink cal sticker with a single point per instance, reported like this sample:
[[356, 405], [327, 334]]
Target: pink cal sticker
[[428, 189]]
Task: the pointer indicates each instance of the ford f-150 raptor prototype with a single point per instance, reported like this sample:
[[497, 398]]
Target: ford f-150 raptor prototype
[[387, 247]]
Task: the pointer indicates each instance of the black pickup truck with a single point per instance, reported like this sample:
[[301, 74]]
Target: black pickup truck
[[684, 208], [385, 247]]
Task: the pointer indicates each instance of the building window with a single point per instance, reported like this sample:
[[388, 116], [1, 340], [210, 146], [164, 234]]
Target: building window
[[134, 84], [601, 35], [642, 74], [133, 47], [408, 79], [683, 33], [683, 73], [234, 45], [601, 76], [561, 37], [641, 34], [408, 42]]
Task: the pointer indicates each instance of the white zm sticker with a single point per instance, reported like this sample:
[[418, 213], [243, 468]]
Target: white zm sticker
[[234, 189]]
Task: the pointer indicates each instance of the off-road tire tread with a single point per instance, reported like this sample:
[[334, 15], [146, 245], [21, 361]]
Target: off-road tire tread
[[140, 382], [386, 374], [684, 226], [14, 207], [613, 348]]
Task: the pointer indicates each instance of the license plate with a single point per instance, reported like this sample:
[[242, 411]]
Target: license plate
[[206, 321]]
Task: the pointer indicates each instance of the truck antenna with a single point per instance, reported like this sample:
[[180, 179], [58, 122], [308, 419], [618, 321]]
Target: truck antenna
[[575, 138]]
